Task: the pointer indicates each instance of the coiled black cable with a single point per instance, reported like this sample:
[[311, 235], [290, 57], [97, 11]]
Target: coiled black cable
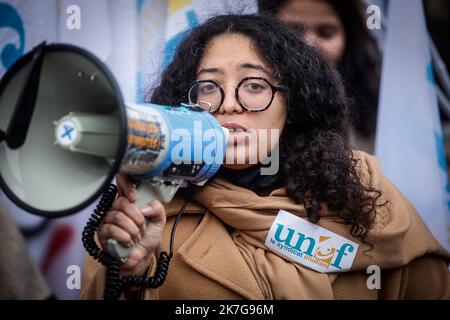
[[114, 286], [112, 281]]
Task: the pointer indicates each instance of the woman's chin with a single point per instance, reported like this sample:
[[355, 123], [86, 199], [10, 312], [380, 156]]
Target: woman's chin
[[237, 158], [241, 155], [237, 166]]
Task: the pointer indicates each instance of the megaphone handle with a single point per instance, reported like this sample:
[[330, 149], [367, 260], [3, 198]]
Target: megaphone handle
[[147, 191]]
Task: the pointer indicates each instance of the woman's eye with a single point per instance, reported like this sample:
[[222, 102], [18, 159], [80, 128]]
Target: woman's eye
[[208, 88], [255, 87]]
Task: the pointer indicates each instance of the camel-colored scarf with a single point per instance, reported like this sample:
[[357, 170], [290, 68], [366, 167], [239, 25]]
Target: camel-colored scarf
[[399, 235]]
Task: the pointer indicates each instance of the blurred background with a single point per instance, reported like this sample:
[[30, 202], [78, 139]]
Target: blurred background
[[392, 56]]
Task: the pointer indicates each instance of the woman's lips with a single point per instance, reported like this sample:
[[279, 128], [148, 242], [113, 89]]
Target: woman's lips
[[234, 126], [238, 132]]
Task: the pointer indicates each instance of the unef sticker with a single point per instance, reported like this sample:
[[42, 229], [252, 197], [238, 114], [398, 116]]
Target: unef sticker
[[310, 245]]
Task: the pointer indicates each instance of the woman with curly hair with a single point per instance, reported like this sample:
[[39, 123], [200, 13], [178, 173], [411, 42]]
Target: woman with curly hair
[[222, 247]]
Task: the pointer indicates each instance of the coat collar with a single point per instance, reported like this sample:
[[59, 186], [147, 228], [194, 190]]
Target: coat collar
[[211, 251]]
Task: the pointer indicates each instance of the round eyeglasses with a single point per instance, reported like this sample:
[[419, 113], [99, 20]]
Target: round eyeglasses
[[254, 94]]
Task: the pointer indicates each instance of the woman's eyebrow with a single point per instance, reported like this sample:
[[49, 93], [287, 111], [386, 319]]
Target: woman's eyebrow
[[240, 66], [209, 70], [255, 67]]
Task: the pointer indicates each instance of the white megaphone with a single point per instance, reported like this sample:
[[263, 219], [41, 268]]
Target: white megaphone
[[65, 131]]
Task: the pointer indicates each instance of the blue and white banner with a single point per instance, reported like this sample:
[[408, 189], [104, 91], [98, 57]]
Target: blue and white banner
[[23, 25], [409, 140]]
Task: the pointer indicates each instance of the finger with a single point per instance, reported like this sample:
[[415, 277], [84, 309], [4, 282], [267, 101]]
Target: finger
[[126, 186], [112, 231], [124, 222], [130, 210]]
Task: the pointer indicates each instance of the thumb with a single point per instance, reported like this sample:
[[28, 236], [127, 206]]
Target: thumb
[[126, 187], [155, 214], [156, 221]]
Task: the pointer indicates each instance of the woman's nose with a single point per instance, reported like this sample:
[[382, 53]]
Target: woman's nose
[[230, 104]]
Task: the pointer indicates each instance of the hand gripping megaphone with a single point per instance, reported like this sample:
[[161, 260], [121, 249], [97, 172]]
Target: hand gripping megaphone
[[65, 131]]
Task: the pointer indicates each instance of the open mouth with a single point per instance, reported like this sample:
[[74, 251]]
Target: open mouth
[[232, 126], [238, 133]]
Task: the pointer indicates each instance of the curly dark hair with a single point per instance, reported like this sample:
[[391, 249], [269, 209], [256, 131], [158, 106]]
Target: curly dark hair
[[360, 65], [316, 164]]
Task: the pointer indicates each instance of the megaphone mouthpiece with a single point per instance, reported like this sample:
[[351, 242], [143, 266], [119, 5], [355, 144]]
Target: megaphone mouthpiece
[[88, 133]]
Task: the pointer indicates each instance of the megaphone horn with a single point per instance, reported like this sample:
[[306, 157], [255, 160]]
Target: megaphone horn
[[47, 84]]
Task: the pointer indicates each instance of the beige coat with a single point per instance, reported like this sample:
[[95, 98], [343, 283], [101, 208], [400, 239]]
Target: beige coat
[[220, 251], [20, 278]]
